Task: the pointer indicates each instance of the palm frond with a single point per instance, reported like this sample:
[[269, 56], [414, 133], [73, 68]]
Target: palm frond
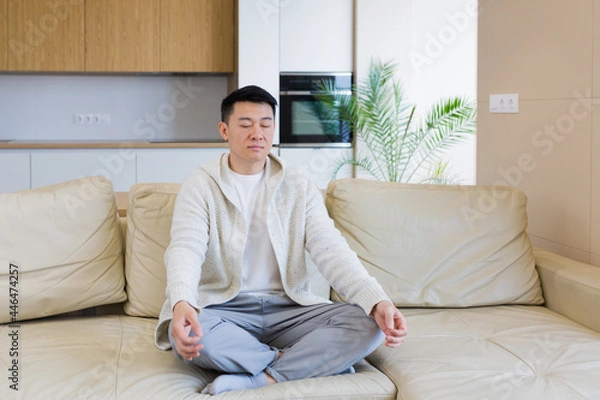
[[439, 175], [396, 147], [365, 163], [447, 123]]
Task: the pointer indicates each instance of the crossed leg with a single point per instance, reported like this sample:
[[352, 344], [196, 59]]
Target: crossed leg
[[261, 340]]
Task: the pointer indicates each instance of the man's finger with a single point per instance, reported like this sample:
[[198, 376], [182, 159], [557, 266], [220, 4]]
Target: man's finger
[[196, 328], [397, 332], [188, 340], [390, 317], [399, 321], [191, 351]]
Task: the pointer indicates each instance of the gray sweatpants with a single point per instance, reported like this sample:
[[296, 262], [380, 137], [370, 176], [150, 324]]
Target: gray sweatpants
[[246, 335]]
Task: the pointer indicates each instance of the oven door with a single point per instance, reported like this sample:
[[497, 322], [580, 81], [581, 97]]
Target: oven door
[[305, 121]]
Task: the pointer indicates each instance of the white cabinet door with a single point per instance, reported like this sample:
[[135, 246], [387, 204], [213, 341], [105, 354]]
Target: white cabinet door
[[55, 166], [258, 47], [14, 171], [318, 163], [171, 165], [316, 36]]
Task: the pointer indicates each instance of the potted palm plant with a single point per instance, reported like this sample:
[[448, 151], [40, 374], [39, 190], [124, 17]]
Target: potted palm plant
[[391, 144]]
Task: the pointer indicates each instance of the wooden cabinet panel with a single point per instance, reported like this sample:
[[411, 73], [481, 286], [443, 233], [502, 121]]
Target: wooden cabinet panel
[[3, 34], [45, 35], [197, 35], [122, 36]]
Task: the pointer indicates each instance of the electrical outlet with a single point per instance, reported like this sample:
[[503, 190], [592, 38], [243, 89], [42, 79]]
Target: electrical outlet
[[91, 119], [504, 103]]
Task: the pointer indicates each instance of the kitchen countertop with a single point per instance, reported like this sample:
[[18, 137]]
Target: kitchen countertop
[[107, 144]]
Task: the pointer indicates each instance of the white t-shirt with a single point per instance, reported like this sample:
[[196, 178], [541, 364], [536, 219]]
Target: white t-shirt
[[260, 272]]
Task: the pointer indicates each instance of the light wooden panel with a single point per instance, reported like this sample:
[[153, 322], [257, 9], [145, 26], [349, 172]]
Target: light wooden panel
[[3, 34], [596, 39], [595, 181], [45, 36], [543, 150], [540, 49], [197, 35], [122, 198], [122, 36]]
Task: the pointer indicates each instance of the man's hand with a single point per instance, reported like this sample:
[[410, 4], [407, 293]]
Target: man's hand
[[391, 321], [185, 321]]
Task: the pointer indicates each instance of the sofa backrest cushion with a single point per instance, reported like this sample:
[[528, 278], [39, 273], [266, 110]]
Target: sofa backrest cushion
[[439, 245], [149, 214], [61, 249]]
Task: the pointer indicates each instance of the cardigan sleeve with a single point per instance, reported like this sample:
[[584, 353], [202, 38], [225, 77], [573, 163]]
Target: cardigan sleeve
[[189, 242], [336, 261]]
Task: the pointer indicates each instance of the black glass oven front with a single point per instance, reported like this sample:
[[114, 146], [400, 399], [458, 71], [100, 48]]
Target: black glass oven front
[[303, 119]]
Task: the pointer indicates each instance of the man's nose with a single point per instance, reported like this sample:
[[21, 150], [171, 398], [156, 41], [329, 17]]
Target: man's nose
[[255, 133]]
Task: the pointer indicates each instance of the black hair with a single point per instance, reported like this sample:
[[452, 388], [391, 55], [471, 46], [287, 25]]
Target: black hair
[[250, 93]]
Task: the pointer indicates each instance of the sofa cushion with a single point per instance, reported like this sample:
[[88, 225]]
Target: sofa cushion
[[149, 214], [500, 352], [439, 245], [60, 249], [114, 357]]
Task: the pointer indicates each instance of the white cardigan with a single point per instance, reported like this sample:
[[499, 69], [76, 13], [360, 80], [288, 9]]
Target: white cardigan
[[208, 236]]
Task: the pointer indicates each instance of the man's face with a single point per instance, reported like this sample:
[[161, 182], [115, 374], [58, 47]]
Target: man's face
[[249, 131]]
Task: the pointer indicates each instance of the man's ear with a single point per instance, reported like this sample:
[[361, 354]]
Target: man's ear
[[223, 130]]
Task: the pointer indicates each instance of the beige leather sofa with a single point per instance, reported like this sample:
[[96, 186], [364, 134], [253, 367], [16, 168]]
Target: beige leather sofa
[[489, 317]]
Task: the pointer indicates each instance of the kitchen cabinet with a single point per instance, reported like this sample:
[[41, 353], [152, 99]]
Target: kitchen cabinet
[[54, 166], [118, 36], [258, 47], [15, 167], [3, 34], [45, 35], [122, 36], [197, 35], [316, 35], [126, 166], [166, 165], [318, 163]]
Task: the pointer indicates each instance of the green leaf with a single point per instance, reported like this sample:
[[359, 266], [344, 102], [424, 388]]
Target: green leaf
[[396, 147]]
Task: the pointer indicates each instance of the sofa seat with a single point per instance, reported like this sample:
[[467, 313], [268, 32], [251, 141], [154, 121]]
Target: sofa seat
[[114, 357], [498, 352]]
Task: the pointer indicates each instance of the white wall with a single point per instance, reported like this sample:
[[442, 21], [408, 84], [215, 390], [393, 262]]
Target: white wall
[[41, 107], [434, 43]]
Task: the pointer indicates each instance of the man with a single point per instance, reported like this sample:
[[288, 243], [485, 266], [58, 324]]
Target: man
[[238, 290]]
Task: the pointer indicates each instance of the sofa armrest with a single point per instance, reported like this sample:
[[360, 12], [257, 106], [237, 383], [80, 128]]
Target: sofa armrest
[[571, 288]]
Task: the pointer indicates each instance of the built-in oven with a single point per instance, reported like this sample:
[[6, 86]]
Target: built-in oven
[[304, 120]]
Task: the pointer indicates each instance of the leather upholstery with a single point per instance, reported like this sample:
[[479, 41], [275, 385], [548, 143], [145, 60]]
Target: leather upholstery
[[114, 357], [497, 353], [439, 246], [493, 352], [149, 214], [572, 288], [66, 243]]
